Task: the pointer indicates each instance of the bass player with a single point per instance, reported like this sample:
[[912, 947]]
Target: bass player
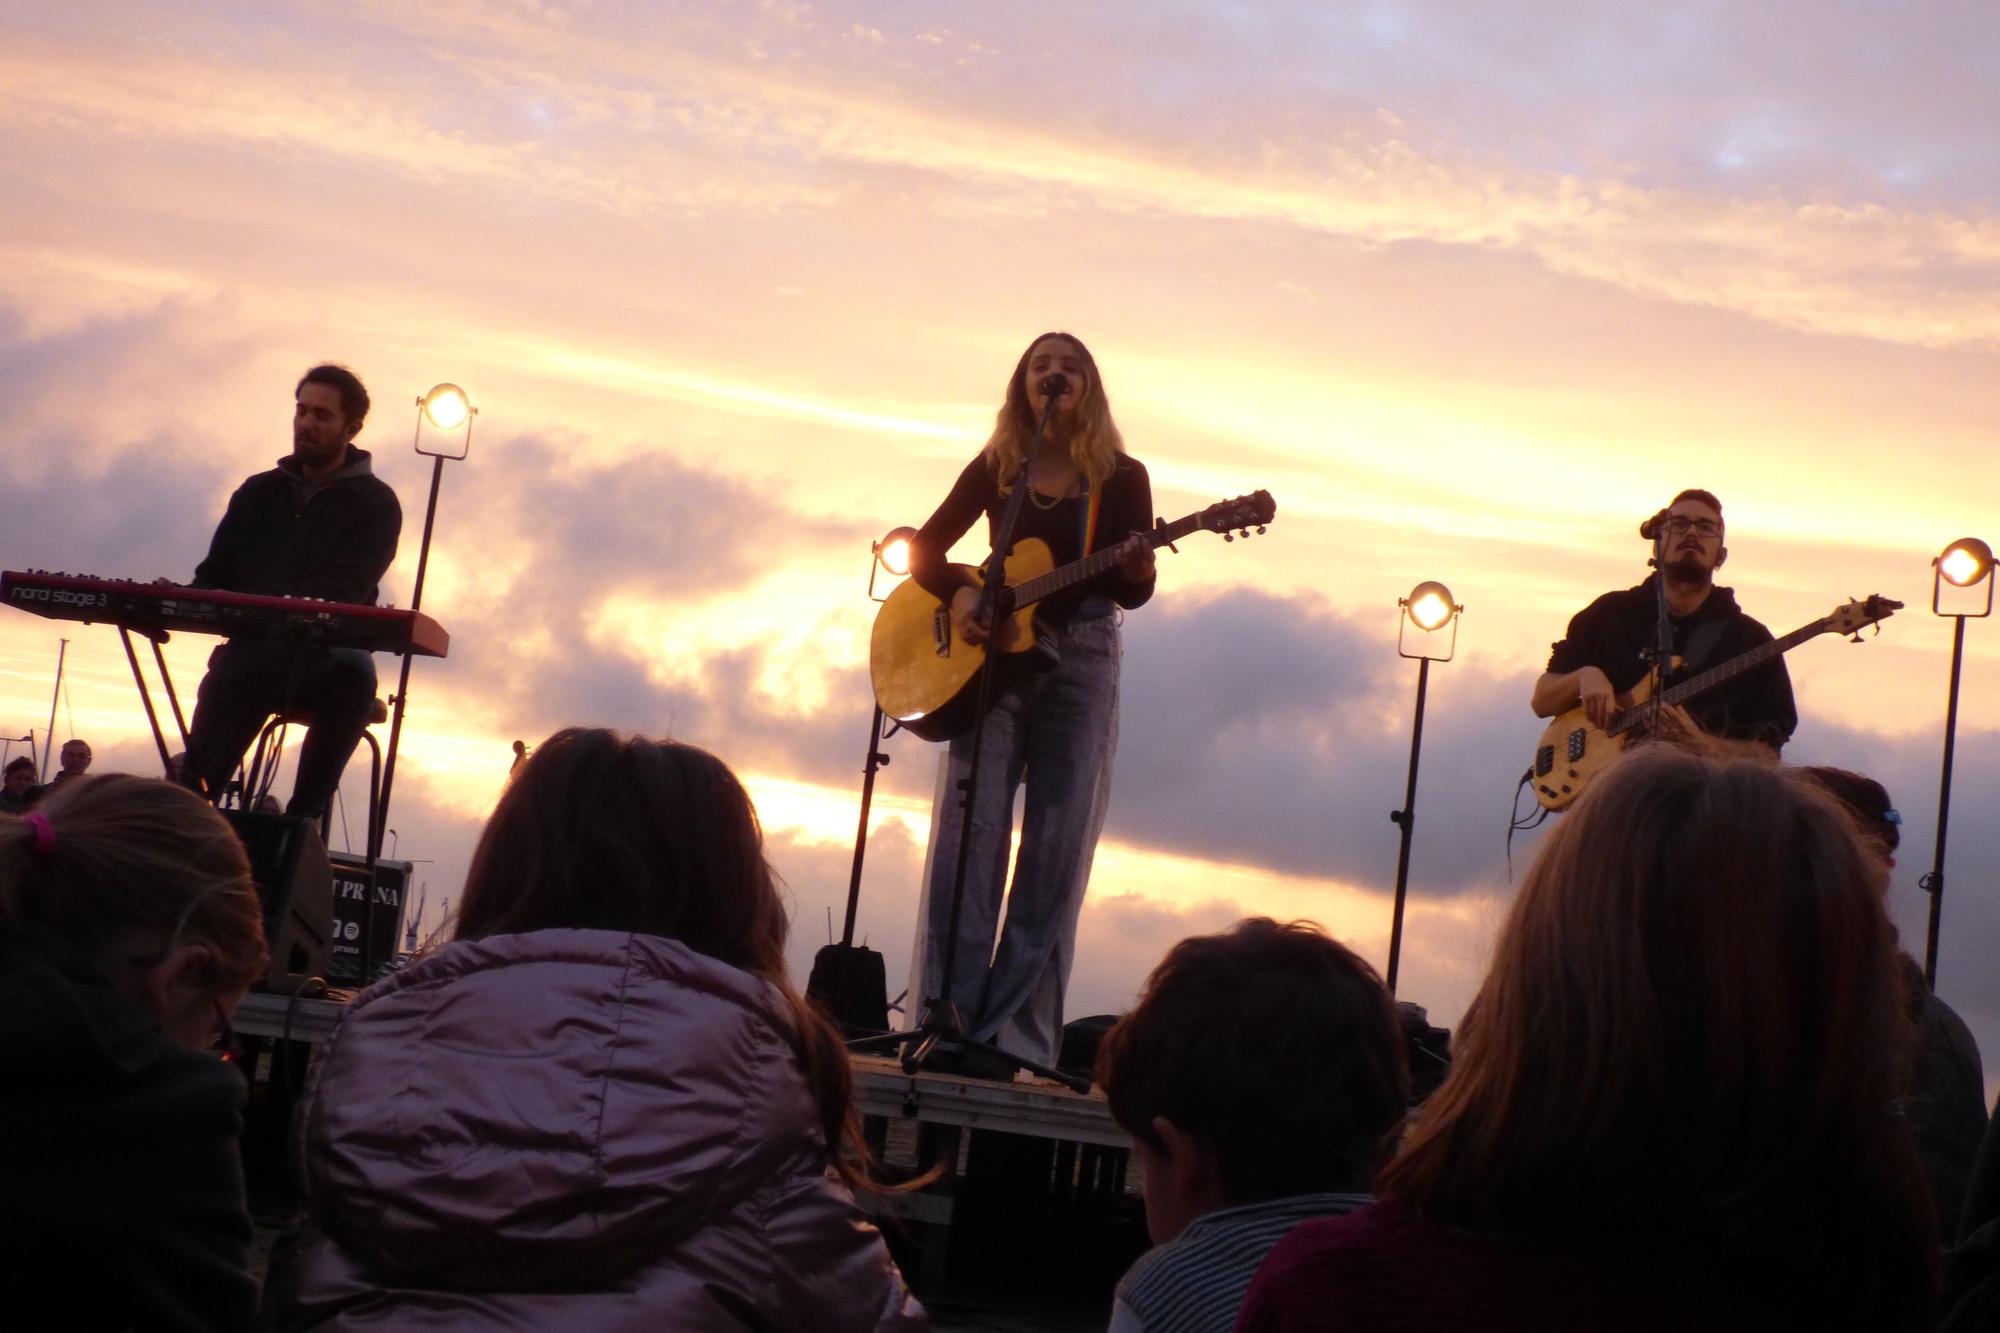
[[1604, 653]]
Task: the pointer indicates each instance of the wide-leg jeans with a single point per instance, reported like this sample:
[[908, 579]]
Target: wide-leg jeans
[[1057, 732]]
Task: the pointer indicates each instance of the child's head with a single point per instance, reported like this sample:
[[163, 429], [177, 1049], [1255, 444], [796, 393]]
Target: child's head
[[1262, 1062], [147, 883]]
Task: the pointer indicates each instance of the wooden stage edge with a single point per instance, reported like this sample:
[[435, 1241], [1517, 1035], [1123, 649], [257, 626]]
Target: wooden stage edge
[[881, 1088]]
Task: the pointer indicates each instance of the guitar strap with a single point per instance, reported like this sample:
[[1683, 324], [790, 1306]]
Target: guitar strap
[[1090, 518], [1701, 645]]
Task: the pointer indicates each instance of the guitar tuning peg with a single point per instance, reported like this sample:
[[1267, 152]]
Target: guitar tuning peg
[[1260, 529], [1228, 536], [1855, 637]]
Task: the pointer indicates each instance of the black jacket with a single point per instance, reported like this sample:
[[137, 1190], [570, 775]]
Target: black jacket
[[285, 536], [121, 1185], [1612, 633]]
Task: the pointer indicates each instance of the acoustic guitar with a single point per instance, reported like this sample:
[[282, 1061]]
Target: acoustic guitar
[[1572, 750], [927, 676]]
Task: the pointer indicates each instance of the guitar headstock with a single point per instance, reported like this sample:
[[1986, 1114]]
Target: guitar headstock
[[1852, 617], [1236, 517]]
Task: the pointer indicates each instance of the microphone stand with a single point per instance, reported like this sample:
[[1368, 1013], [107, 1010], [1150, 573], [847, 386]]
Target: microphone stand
[[941, 1021], [1662, 652]]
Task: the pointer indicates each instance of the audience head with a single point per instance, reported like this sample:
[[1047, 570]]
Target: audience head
[[75, 758], [1261, 1062], [20, 776], [146, 882], [607, 832], [1691, 1035], [1867, 804]]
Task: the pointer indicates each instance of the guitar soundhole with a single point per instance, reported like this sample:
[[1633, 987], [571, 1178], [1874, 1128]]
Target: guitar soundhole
[[1576, 739], [1545, 759]]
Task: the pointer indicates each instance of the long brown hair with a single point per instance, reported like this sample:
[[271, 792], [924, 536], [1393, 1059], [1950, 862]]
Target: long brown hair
[[600, 831], [126, 857], [1094, 445], [1692, 1034]]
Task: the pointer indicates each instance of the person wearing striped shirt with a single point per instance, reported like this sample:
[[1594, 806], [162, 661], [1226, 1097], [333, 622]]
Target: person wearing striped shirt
[[1261, 1078]]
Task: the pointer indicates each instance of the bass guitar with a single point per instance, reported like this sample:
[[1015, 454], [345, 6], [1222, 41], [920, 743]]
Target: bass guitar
[[926, 675], [1572, 750]]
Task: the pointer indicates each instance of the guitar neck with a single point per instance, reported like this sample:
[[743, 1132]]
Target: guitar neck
[[1076, 571], [1719, 675]]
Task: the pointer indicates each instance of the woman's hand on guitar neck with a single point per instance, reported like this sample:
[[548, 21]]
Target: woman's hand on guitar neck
[[965, 616], [1135, 558]]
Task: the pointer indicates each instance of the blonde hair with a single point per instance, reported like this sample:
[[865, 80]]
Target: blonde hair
[[125, 856], [1094, 445]]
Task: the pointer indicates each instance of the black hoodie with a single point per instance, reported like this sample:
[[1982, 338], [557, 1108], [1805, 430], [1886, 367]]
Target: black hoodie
[[283, 535]]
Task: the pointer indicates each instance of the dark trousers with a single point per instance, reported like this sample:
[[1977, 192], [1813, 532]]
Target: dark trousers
[[331, 689]]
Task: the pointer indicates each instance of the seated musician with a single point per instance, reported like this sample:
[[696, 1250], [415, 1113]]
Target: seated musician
[[1603, 654], [319, 524]]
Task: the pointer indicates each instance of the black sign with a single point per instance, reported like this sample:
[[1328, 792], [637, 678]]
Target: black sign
[[358, 930]]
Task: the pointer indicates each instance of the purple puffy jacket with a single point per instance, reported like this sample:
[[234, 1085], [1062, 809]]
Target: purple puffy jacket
[[574, 1129]]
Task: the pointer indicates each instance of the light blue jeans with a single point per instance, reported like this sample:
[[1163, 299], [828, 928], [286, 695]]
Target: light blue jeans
[[1058, 730]]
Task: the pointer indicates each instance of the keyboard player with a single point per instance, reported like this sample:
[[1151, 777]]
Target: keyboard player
[[319, 524]]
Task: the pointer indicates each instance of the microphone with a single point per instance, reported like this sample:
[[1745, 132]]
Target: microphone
[[1055, 386], [1651, 527]]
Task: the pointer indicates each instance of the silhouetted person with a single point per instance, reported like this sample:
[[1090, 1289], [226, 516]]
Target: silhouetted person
[[319, 524]]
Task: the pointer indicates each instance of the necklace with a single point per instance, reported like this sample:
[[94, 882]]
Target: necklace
[[1035, 496]]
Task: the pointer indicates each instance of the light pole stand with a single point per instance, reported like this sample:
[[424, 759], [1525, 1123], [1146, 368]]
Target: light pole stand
[[1933, 883], [1405, 819]]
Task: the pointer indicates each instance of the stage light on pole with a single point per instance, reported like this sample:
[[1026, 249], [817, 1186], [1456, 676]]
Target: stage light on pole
[[448, 410], [1967, 567], [847, 981], [1431, 609], [893, 554]]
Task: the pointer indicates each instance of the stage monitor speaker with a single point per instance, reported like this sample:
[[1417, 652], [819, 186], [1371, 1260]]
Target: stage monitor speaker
[[366, 936], [295, 883], [849, 986]]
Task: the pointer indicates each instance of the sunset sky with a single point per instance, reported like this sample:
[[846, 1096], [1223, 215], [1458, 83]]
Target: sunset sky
[[737, 287]]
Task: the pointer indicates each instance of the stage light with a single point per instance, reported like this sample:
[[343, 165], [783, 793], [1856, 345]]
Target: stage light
[[891, 553], [446, 406], [1966, 563], [894, 551], [1429, 606]]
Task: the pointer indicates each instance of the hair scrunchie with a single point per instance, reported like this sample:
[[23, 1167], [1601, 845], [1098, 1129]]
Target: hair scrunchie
[[45, 834]]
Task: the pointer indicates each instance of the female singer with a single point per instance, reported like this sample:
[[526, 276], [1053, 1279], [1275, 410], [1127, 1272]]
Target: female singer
[[1059, 727]]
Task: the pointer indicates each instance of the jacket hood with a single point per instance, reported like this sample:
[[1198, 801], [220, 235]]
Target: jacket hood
[[360, 463], [556, 1106]]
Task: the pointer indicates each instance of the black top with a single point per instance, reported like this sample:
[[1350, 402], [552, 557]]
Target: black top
[[1614, 631], [1127, 508], [121, 1183], [284, 536]]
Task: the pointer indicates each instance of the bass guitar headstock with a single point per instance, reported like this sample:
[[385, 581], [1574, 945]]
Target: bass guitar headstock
[[1235, 518], [1851, 618]]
